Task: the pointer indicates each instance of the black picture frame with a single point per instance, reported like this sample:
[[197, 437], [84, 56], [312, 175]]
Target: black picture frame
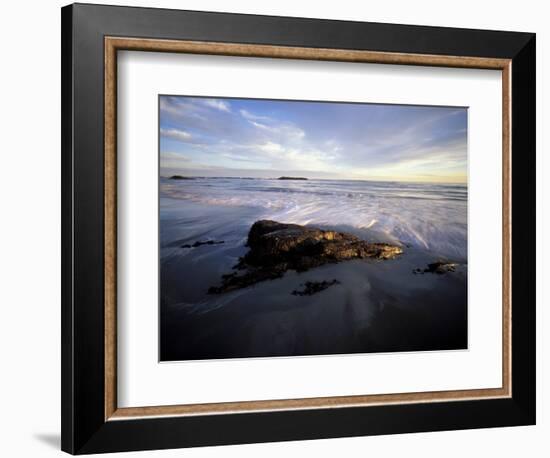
[[84, 428]]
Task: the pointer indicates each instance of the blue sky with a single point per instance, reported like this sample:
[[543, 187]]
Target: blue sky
[[269, 138]]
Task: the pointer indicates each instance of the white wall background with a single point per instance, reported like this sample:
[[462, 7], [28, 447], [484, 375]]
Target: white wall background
[[30, 227]]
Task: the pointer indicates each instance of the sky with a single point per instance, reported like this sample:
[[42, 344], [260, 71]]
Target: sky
[[204, 136]]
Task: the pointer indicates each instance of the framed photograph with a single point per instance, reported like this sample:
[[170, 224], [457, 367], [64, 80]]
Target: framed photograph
[[282, 228]]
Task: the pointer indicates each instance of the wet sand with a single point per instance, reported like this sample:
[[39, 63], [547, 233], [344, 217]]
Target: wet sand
[[376, 306]]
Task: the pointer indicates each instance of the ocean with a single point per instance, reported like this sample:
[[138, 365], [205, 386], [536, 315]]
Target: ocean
[[428, 216]]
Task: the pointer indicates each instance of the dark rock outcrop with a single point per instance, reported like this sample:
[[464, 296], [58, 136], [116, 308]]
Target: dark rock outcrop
[[313, 287], [291, 178], [277, 247], [180, 177], [206, 242], [439, 267]]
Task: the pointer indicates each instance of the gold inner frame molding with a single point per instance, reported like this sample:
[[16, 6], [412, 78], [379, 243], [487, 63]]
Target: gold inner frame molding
[[114, 44]]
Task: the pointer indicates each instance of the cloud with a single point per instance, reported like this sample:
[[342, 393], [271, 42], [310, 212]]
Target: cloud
[[271, 125], [271, 148], [253, 117], [353, 140], [176, 134], [218, 104], [169, 105], [175, 106], [170, 155], [259, 125], [288, 131]]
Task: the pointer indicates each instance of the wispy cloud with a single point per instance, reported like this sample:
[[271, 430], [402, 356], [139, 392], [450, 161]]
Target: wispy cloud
[[273, 126], [218, 104], [253, 117], [176, 134]]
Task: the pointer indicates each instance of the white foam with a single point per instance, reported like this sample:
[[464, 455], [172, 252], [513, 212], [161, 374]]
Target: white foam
[[427, 216]]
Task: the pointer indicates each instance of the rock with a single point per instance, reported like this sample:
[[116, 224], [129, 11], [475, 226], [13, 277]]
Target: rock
[[233, 281], [302, 247], [291, 178], [206, 242], [278, 247], [439, 267], [180, 177], [312, 287]]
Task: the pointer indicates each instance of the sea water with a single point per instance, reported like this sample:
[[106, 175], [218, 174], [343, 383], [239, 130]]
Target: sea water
[[428, 216]]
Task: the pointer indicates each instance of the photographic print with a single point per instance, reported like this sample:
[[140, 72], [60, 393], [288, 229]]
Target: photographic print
[[299, 228]]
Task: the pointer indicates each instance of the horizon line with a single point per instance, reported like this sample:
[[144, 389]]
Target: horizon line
[[302, 178]]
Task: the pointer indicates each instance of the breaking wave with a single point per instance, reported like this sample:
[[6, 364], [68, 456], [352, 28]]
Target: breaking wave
[[428, 216]]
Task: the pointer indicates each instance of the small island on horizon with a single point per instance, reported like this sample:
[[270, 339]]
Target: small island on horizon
[[180, 177], [183, 177]]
